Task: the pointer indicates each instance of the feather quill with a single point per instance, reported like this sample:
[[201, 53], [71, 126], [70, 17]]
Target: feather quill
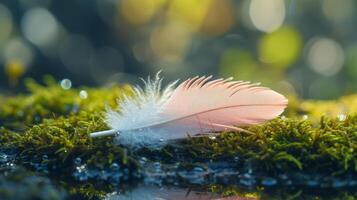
[[198, 105]]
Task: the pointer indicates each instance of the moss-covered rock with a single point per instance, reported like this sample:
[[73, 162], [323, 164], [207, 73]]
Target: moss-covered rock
[[54, 124]]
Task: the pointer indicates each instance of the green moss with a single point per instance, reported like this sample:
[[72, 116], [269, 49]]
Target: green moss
[[64, 139], [56, 123], [53, 122], [235, 191], [279, 146], [51, 101]]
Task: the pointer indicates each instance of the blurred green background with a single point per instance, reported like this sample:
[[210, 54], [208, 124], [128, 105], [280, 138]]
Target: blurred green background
[[302, 47]]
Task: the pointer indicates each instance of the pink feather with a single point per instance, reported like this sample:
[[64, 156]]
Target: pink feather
[[200, 105]]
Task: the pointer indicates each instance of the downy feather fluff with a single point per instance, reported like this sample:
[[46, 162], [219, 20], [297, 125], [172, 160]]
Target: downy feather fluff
[[198, 105]]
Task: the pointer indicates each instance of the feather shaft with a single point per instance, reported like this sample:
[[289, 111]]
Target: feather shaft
[[198, 105], [104, 133], [187, 116]]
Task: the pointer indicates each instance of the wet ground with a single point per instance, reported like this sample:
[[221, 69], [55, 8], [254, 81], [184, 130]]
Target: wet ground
[[159, 181]]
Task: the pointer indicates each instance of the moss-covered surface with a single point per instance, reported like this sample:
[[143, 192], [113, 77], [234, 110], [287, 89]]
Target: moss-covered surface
[[49, 128], [55, 123], [277, 146]]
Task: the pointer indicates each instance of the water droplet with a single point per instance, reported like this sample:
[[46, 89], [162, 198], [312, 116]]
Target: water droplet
[[247, 175], [247, 180], [81, 168], [81, 173], [3, 158], [37, 118], [45, 157], [212, 137], [10, 164], [157, 165], [66, 84], [198, 170], [250, 171], [83, 94], [177, 165], [194, 176], [143, 160], [115, 167], [341, 117], [78, 161], [269, 181]]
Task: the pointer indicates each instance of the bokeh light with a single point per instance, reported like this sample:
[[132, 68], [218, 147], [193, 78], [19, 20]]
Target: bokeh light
[[280, 48], [5, 24], [325, 56], [136, 13], [192, 13], [339, 11], [34, 3], [83, 94], [267, 15], [289, 45], [238, 63], [219, 18], [14, 69], [18, 50], [211, 17], [40, 27], [169, 42], [66, 84]]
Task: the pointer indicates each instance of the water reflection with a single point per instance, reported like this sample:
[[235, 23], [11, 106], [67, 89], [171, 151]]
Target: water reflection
[[162, 193]]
